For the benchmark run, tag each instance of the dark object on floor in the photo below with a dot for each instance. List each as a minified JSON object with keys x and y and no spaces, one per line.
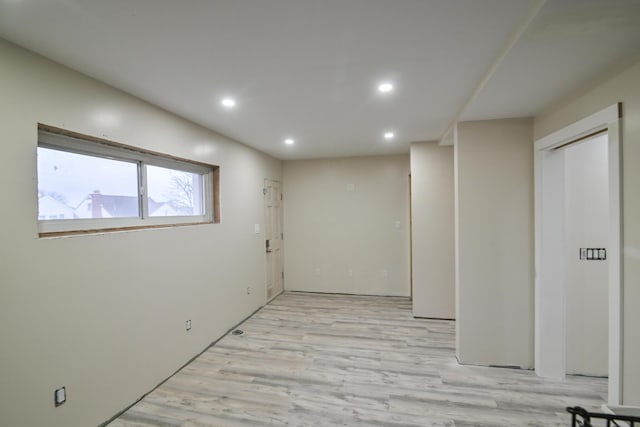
{"x":580,"y":417}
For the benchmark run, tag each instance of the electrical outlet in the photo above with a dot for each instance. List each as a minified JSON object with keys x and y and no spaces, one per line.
{"x":60,"y":396}
{"x":248,"y":290}
{"x":350,"y":272}
{"x":189,"y":325}
{"x":385,"y":273}
{"x":317,"y":271}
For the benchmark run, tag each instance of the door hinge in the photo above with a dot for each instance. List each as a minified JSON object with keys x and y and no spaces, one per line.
{"x":283,"y":275}
{"x":281,"y":236}
{"x":280,"y":196}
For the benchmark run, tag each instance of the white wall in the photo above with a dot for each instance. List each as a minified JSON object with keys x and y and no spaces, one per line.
{"x":624,"y":88}
{"x":587,"y":226}
{"x":346,"y":225}
{"x":104,"y":314}
{"x":432,"y":234}
{"x":494,"y":238}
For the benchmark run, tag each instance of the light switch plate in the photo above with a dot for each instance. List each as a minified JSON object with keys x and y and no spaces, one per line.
{"x":60,"y":396}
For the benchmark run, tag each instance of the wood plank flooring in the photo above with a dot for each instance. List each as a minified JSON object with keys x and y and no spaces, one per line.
{"x":342,"y":360}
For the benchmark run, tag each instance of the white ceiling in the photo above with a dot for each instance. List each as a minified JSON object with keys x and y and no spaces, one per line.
{"x":308,"y":69}
{"x":568,"y":45}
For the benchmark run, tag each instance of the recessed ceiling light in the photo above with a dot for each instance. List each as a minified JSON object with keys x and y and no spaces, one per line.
{"x":228,"y":102}
{"x":385,"y":87}
{"x":289,"y":141}
{"x":389,"y":135}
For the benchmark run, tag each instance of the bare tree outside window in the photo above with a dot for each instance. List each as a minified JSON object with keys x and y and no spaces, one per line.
{"x":180,"y":194}
{"x":174,"y":192}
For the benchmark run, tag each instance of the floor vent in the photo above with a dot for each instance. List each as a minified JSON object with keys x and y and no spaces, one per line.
{"x":237,"y":332}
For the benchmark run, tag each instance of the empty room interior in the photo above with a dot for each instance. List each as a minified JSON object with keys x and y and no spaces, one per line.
{"x":299,"y":212}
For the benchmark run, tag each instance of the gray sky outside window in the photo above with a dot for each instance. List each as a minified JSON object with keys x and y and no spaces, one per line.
{"x":71,"y":178}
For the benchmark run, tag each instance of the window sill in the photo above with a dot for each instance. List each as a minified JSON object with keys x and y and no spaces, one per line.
{"x":118,"y":229}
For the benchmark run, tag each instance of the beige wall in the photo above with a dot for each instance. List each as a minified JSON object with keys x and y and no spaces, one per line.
{"x":346,"y":225}
{"x":623,"y":88}
{"x":432,"y":234}
{"x":494,"y":238}
{"x":105,"y":314}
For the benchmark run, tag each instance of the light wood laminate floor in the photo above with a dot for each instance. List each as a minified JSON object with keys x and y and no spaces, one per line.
{"x":342,"y":360}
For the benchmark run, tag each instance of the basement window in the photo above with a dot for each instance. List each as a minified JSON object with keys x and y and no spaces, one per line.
{"x":88,"y":184}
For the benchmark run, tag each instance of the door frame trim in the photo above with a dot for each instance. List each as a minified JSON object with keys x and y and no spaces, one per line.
{"x":550,"y":362}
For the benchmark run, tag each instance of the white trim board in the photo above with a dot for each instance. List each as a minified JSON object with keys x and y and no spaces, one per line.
{"x":577,"y":130}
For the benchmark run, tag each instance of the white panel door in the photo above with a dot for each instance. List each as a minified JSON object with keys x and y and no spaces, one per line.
{"x":273,"y":237}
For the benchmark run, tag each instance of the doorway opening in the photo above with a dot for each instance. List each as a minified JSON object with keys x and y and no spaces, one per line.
{"x":578,"y":246}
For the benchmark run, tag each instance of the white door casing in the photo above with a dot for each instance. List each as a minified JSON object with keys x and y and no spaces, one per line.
{"x":550,"y":306}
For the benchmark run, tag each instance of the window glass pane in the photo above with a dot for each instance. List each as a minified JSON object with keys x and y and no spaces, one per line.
{"x":173,"y":192}
{"x":72,"y":186}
